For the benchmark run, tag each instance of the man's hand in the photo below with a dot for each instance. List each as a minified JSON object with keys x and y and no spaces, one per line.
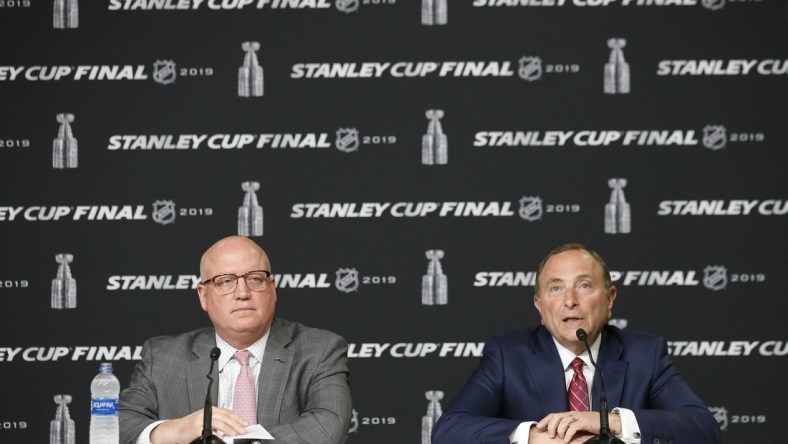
{"x":567,"y":425}
{"x":189,"y":428}
{"x":537,"y":436}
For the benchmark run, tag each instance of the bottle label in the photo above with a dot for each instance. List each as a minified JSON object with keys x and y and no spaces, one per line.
{"x":104,"y":406}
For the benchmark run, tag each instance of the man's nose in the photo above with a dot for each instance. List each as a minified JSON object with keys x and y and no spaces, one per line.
{"x":242,"y":290}
{"x":570,"y":297}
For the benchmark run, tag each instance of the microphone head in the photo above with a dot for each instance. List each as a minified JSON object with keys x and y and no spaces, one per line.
{"x":581,"y":334}
{"x":215,"y":353}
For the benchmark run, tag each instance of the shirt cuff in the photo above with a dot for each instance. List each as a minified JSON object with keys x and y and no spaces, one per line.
{"x":521,"y":433}
{"x":630,"y":431}
{"x":144,"y":437}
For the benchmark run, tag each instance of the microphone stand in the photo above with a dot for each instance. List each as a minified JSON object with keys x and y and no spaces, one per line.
{"x":207,"y":437}
{"x":604,"y":436}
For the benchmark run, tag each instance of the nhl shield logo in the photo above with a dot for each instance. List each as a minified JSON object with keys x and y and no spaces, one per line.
{"x":721,"y":415}
{"x":347,"y":140}
{"x":347,"y":6}
{"x":164,"y":72}
{"x":164,"y":212}
{"x":715,"y":277}
{"x":714,"y":137}
{"x":620,"y":323}
{"x":530,"y":68}
{"x":531,"y":208}
{"x":713,"y":4}
{"x":347,"y":280}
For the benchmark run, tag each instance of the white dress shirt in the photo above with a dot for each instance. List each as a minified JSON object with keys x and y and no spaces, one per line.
{"x":229,"y":368}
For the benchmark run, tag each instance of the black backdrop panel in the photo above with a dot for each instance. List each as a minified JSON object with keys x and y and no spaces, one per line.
{"x":653,"y":131}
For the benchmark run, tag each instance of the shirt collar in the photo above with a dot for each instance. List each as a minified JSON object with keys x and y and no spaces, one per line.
{"x":568,"y":356}
{"x":256,"y":349}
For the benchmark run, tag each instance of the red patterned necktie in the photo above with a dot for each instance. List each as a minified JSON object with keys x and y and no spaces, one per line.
{"x":244,"y":398}
{"x":578,"y":389}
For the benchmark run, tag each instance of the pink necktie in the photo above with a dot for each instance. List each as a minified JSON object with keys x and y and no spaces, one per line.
{"x":244,"y":398}
{"x":578,"y":388}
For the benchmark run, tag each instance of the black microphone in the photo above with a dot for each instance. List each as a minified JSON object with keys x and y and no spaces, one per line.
{"x":604,"y":437}
{"x":207,"y":437}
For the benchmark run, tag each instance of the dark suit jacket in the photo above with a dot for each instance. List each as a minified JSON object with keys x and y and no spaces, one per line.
{"x":303,"y":390}
{"x":520,"y":378}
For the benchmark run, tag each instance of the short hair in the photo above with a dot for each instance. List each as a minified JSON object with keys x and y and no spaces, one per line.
{"x":574,"y":246}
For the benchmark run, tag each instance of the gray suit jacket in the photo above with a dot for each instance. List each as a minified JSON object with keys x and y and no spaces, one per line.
{"x":303,"y":390}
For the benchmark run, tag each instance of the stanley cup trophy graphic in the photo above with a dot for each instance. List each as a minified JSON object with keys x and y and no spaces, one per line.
{"x":434,"y":284}
{"x":64,"y":287}
{"x":617,"y":212}
{"x":434,"y":12}
{"x":434,"y":144}
{"x":616,"y":69}
{"x":61,"y":429}
{"x":250,"y":76}
{"x":250,"y":214}
{"x":434,"y":411}
{"x":64,"y":147}
{"x":65,"y":14}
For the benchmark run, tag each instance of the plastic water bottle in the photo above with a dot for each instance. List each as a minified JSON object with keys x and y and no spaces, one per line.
{"x":104,"y":391}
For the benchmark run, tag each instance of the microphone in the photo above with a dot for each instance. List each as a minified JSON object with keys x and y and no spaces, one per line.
{"x":604,"y":437}
{"x":207,"y":437}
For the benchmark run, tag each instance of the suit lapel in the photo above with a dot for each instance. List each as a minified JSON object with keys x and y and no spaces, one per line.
{"x":614,"y":368}
{"x":547,"y":373}
{"x":197,"y":369}
{"x":274,"y":372}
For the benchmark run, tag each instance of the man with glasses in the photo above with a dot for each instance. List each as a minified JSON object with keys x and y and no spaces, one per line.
{"x":291,"y":379}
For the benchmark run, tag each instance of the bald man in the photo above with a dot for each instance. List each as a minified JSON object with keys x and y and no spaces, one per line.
{"x":299,"y":375}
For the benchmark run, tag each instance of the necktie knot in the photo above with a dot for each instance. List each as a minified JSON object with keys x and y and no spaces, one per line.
{"x":577,"y":365}
{"x":242,"y":356}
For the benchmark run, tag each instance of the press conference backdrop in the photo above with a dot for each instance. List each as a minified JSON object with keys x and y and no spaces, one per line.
{"x":406,"y":164}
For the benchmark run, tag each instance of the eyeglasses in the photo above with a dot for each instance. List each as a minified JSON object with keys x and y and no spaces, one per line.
{"x":226,"y":283}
